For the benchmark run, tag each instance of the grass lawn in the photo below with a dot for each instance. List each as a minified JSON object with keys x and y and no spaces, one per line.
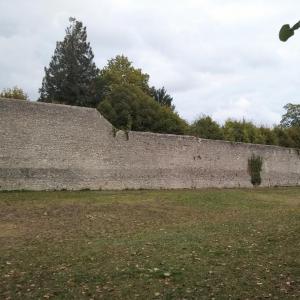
{"x":187,"y":244}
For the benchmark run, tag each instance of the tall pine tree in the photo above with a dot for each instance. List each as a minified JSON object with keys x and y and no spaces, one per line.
{"x":70,"y":78}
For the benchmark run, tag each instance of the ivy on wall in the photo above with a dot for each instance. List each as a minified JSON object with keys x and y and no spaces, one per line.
{"x":254,"y":168}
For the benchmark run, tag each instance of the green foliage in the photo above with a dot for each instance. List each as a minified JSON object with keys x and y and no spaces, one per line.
{"x":254,"y":168}
{"x":234,"y":131}
{"x":268,"y":136}
{"x":206,"y":128}
{"x":119,"y":71}
{"x":288,"y":137}
{"x":283,"y":138}
{"x":70,"y":77}
{"x":127,"y":107}
{"x":247,"y":132}
{"x":242,"y":131}
{"x":286,"y":31}
{"x":14,"y":93}
{"x":127,"y":101}
{"x":294,"y":135}
{"x":292,"y":116}
{"x":162,"y":97}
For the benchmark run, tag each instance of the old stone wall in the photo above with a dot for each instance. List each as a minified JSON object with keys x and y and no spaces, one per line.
{"x":48,"y":146}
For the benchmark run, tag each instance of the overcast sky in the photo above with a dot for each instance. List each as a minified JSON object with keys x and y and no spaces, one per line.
{"x":216,"y":57}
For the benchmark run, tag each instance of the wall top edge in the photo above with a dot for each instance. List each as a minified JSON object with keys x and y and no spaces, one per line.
{"x":29,"y":102}
{"x":160,"y":135}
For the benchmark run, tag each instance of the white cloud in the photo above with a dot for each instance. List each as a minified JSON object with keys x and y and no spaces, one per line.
{"x":243,"y":108}
{"x":238,"y":108}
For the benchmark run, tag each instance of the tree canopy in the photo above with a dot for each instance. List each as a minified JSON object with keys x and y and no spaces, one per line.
{"x":128,"y":107}
{"x":242,"y":131}
{"x":14,"y":93}
{"x":246,"y":132}
{"x":119,"y":70}
{"x":70,"y":77}
{"x":292,"y":116}
{"x":205,"y":127}
{"x":128,"y":102}
{"x":162,"y":97}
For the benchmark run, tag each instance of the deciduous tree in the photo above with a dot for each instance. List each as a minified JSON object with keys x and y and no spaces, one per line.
{"x":206,"y":128}
{"x":292,"y":116}
{"x":127,"y":102}
{"x":128,"y":107}
{"x":120,"y":71}
{"x":14,"y":93}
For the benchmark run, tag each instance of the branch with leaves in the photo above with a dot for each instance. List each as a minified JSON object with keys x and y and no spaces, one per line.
{"x":286,"y":31}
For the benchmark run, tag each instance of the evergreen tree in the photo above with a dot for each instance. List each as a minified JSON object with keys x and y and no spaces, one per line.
{"x":70,"y":77}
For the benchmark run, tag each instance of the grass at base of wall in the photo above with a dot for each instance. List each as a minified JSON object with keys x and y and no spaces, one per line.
{"x":199,"y":244}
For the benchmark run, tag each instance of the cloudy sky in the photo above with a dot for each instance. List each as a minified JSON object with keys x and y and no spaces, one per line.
{"x":216,"y":57}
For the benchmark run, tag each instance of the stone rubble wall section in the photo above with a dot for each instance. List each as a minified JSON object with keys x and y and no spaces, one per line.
{"x":54,"y":147}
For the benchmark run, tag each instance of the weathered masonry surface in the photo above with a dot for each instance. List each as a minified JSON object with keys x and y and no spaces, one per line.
{"x":49,"y":146}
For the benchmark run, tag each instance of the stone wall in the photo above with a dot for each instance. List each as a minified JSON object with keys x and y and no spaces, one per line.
{"x":49,"y":146}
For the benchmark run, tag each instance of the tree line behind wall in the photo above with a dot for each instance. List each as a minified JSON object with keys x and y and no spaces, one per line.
{"x":122,"y":93}
{"x":284,"y":134}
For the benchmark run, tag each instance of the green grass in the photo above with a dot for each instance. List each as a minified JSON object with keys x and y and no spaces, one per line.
{"x":206,"y":244}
